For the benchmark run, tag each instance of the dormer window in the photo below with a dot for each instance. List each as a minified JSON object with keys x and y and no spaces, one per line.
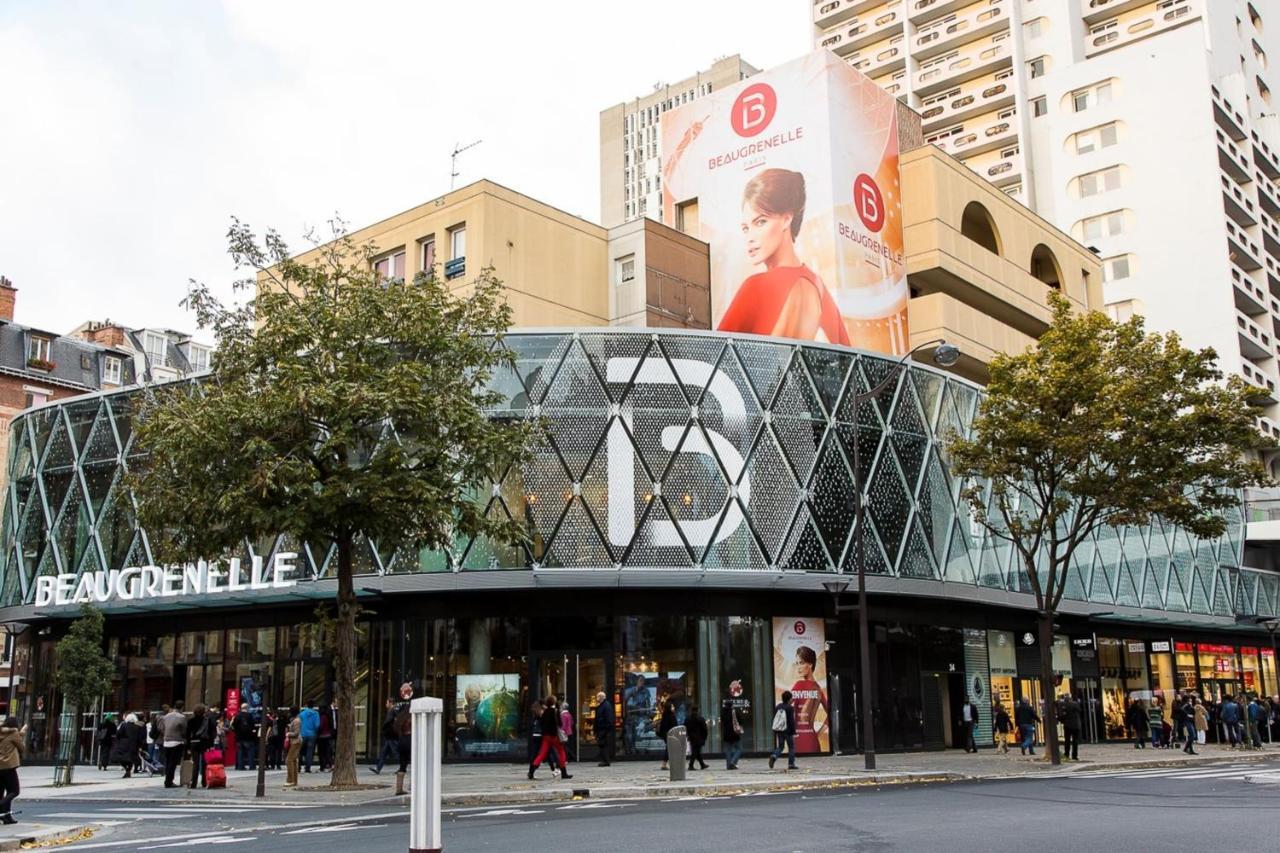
{"x":199,"y":358}
{"x":112,"y":370}
{"x":157,"y":347}
{"x":38,"y":353}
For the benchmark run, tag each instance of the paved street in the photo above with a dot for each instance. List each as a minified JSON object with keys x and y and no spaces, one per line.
{"x":1196,"y":807}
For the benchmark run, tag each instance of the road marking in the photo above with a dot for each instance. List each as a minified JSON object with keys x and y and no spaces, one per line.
{"x":208,"y":839}
{"x":502,"y":812}
{"x":604,"y":805}
{"x":196,"y":836}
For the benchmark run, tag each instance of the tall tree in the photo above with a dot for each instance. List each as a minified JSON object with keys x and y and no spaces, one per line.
{"x":84,"y":671}
{"x":341,"y":407}
{"x":1101,"y":423}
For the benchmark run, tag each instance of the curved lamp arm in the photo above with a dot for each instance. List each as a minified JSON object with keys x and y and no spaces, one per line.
{"x":944,"y":356}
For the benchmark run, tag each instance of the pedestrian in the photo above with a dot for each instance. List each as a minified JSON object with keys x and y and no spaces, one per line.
{"x":293,"y":752}
{"x":1136,"y":720}
{"x":127,"y":743}
{"x":275,"y":740}
{"x":157,"y":735}
{"x":1026,"y":718}
{"x":404,"y":734}
{"x":731,"y":734}
{"x":310,"y":728}
{"x":246,"y":730}
{"x":1004,"y":726}
{"x":567,"y":726}
{"x":695,"y":726}
{"x":1155,"y":724}
{"x":1254,"y":713}
{"x":1187,"y":712}
{"x":1201,"y":721}
{"x":552,"y":739}
{"x":199,"y":741}
{"x":106,"y":734}
{"x":535,"y":728}
{"x":390,"y":747}
{"x":13,"y":745}
{"x":325,"y":734}
{"x":665,"y":724}
{"x":968,"y":719}
{"x":784,"y":731}
{"x":1072,"y":722}
{"x":603,"y":728}
{"x":1230,"y":717}
{"x":173,"y":733}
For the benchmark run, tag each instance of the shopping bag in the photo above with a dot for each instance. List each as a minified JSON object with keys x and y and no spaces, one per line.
{"x":215,"y":776}
{"x":1200,"y":736}
{"x":188,"y":771}
{"x":213,"y":756}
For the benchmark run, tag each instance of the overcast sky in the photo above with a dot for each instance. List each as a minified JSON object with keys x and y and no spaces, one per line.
{"x":130,"y":132}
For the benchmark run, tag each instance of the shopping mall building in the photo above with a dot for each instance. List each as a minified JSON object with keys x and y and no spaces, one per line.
{"x":685,"y":517}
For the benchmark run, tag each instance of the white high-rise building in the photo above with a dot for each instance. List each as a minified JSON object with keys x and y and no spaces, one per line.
{"x":1145,"y":128}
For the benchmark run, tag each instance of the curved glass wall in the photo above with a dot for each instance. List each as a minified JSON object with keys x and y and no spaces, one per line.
{"x":671,"y":450}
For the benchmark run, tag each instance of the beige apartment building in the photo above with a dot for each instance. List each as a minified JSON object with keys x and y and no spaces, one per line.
{"x":631,"y":146}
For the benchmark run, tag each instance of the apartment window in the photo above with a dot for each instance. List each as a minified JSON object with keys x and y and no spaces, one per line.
{"x":38,"y":350}
{"x":626,"y":269}
{"x":112,"y":370}
{"x":1107,"y":225}
{"x":1084,"y":99}
{"x":1098,"y":182}
{"x":1096,"y":138}
{"x":457,"y":242}
{"x":427,"y":253}
{"x":32,"y":396}
{"x":390,"y":268}
{"x":1036,"y":66}
{"x":1264,"y":91}
{"x":1104,"y":33}
{"x":199,"y":358}
{"x":1039,"y":107}
{"x":1036,"y":28}
{"x":1117,"y":268}
{"x":157,"y":349}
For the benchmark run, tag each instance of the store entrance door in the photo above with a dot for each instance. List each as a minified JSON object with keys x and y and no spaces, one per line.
{"x":576,"y":677}
{"x":1090,"y":695}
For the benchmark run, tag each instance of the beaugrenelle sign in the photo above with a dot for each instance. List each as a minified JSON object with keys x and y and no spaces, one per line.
{"x":142,"y":582}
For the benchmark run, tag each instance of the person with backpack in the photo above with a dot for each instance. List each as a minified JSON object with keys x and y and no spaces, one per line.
{"x":404,"y":734}
{"x":199,"y":741}
{"x":784,"y":731}
{"x":246,"y":731}
{"x":696,"y":727}
{"x":731,"y":733}
{"x":1003,"y":726}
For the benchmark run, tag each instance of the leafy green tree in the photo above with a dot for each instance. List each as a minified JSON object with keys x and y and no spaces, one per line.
{"x":1101,"y":424}
{"x":340,"y":406}
{"x":84,"y":671}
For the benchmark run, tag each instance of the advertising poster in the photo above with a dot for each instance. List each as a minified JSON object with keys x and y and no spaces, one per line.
{"x":792,"y":178}
{"x":486,"y":713}
{"x":800,"y":665}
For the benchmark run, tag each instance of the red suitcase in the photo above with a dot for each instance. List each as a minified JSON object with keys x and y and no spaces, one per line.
{"x":215,"y":776}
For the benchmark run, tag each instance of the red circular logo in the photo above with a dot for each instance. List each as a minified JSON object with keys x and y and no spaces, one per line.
{"x":868,"y":202}
{"x":754,"y":109}
{"x":799,"y":628}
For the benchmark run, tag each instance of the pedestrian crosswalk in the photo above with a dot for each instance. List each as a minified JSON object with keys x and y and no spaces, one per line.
{"x":1211,"y":771}
{"x":117,"y":815}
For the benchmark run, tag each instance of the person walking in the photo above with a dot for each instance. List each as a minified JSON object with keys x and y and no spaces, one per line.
{"x":106,"y":734}
{"x":1253,"y":712}
{"x":731,"y":734}
{"x":1155,"y":724}
{"x":293,"y":734}
{"x":665,"y":725}
{"x":1003,"y":726}
{"x":567,"y":726}
{"x":246,"y":739}
{"x":404,"y":734}
{"x":310,"y":728}
{"x":1026,"y":718}
{"x":1072,"y":723}
{"x":696,"y":728}
{"x":968,"y":719}
{"x":325,"y":735}
{"x":173,"y":733}
{"x":1187,"y":711}
{"x":1230,"y":717}
{"x":128,"y":741}
{"x":390,"y":746}
{"x":1136,"y":719}
{"x":551,"y":740}
{"x":1201,"y":721}
{"x":199,"y":741}
{"x":784,"y":731}
{"x":13,"y":745}
{"x":602,"y":726}
{"x":535,"y":728}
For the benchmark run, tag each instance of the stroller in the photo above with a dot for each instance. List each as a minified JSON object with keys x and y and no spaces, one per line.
{"x":151,"y":768}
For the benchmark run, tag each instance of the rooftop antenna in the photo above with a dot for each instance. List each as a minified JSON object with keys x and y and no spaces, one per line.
{"x":453,"y":160}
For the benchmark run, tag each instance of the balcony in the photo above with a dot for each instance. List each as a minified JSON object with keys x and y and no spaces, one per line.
{"x":861,"y":31}
{"x":882,"y":58}
{"x":1227,"y":117}
{"x":1265,"y":157}
{"x":828,"y":13}
{"x":1268,"y":196}
{"x":1270,"y":237}
{"x":1096,"y":11}
{"x":1166,"y":15}
{"x":1250,"y":298}
{"x":1259,"y":380}
{"x":959,"y":66}
{"x":892,"y":83}
{"x":1268,"y":427}
{"x":1255,"y":344}
{"x":1231,"y":159}
{"x":1244,"y":251}
{"x":923,"y":11}
{"x":994,"y":132}
{"x":975,"y":98}
{"x":1273,"y":281}
{"x":1003,"y":172}
{"x":974,"y":21}
{"x":1238,"y":207}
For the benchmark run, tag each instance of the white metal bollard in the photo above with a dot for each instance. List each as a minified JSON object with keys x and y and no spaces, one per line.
{"x":424,"y":776}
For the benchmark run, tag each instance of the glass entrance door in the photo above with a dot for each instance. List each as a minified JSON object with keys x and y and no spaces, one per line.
{"x":575,"y":678}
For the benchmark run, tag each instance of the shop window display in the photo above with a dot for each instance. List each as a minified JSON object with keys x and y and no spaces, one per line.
{"x":1185,"y":658}
{"x":488,"y":699}
{"x":655,"y":665}
{"x":733,"y":651}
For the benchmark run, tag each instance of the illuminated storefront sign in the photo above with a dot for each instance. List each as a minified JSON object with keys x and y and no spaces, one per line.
{"x":144,"y":582}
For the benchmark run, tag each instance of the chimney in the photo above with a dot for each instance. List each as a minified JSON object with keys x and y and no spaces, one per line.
{"x":106,"y":334}
{"x":8,"y":295}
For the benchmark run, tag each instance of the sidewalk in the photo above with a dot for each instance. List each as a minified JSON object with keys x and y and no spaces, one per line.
{"x":38,"y":834}
{"x":472,"y":784}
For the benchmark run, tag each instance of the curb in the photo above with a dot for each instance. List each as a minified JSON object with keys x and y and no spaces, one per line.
{"x":49,"y":837}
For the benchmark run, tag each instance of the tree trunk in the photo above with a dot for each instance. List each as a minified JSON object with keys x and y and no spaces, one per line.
{"x":344,"y":759}
{"x":1044,"y":624}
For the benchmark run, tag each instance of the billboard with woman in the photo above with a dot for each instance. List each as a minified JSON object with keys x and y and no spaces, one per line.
{"x":800,"y":665}
{"x":794,"y":175}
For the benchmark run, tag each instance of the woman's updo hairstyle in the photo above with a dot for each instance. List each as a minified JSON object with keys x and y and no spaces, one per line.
{"x":777,"y":192}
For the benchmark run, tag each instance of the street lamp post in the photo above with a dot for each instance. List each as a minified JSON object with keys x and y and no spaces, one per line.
{"x":944,"y":355}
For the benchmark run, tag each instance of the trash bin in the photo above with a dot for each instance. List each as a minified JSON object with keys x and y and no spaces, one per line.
{"x":676,"y":740}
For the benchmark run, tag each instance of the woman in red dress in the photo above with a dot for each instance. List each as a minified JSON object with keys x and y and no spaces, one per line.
{"x":788,"y":299}
{"x":808,"y":698}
